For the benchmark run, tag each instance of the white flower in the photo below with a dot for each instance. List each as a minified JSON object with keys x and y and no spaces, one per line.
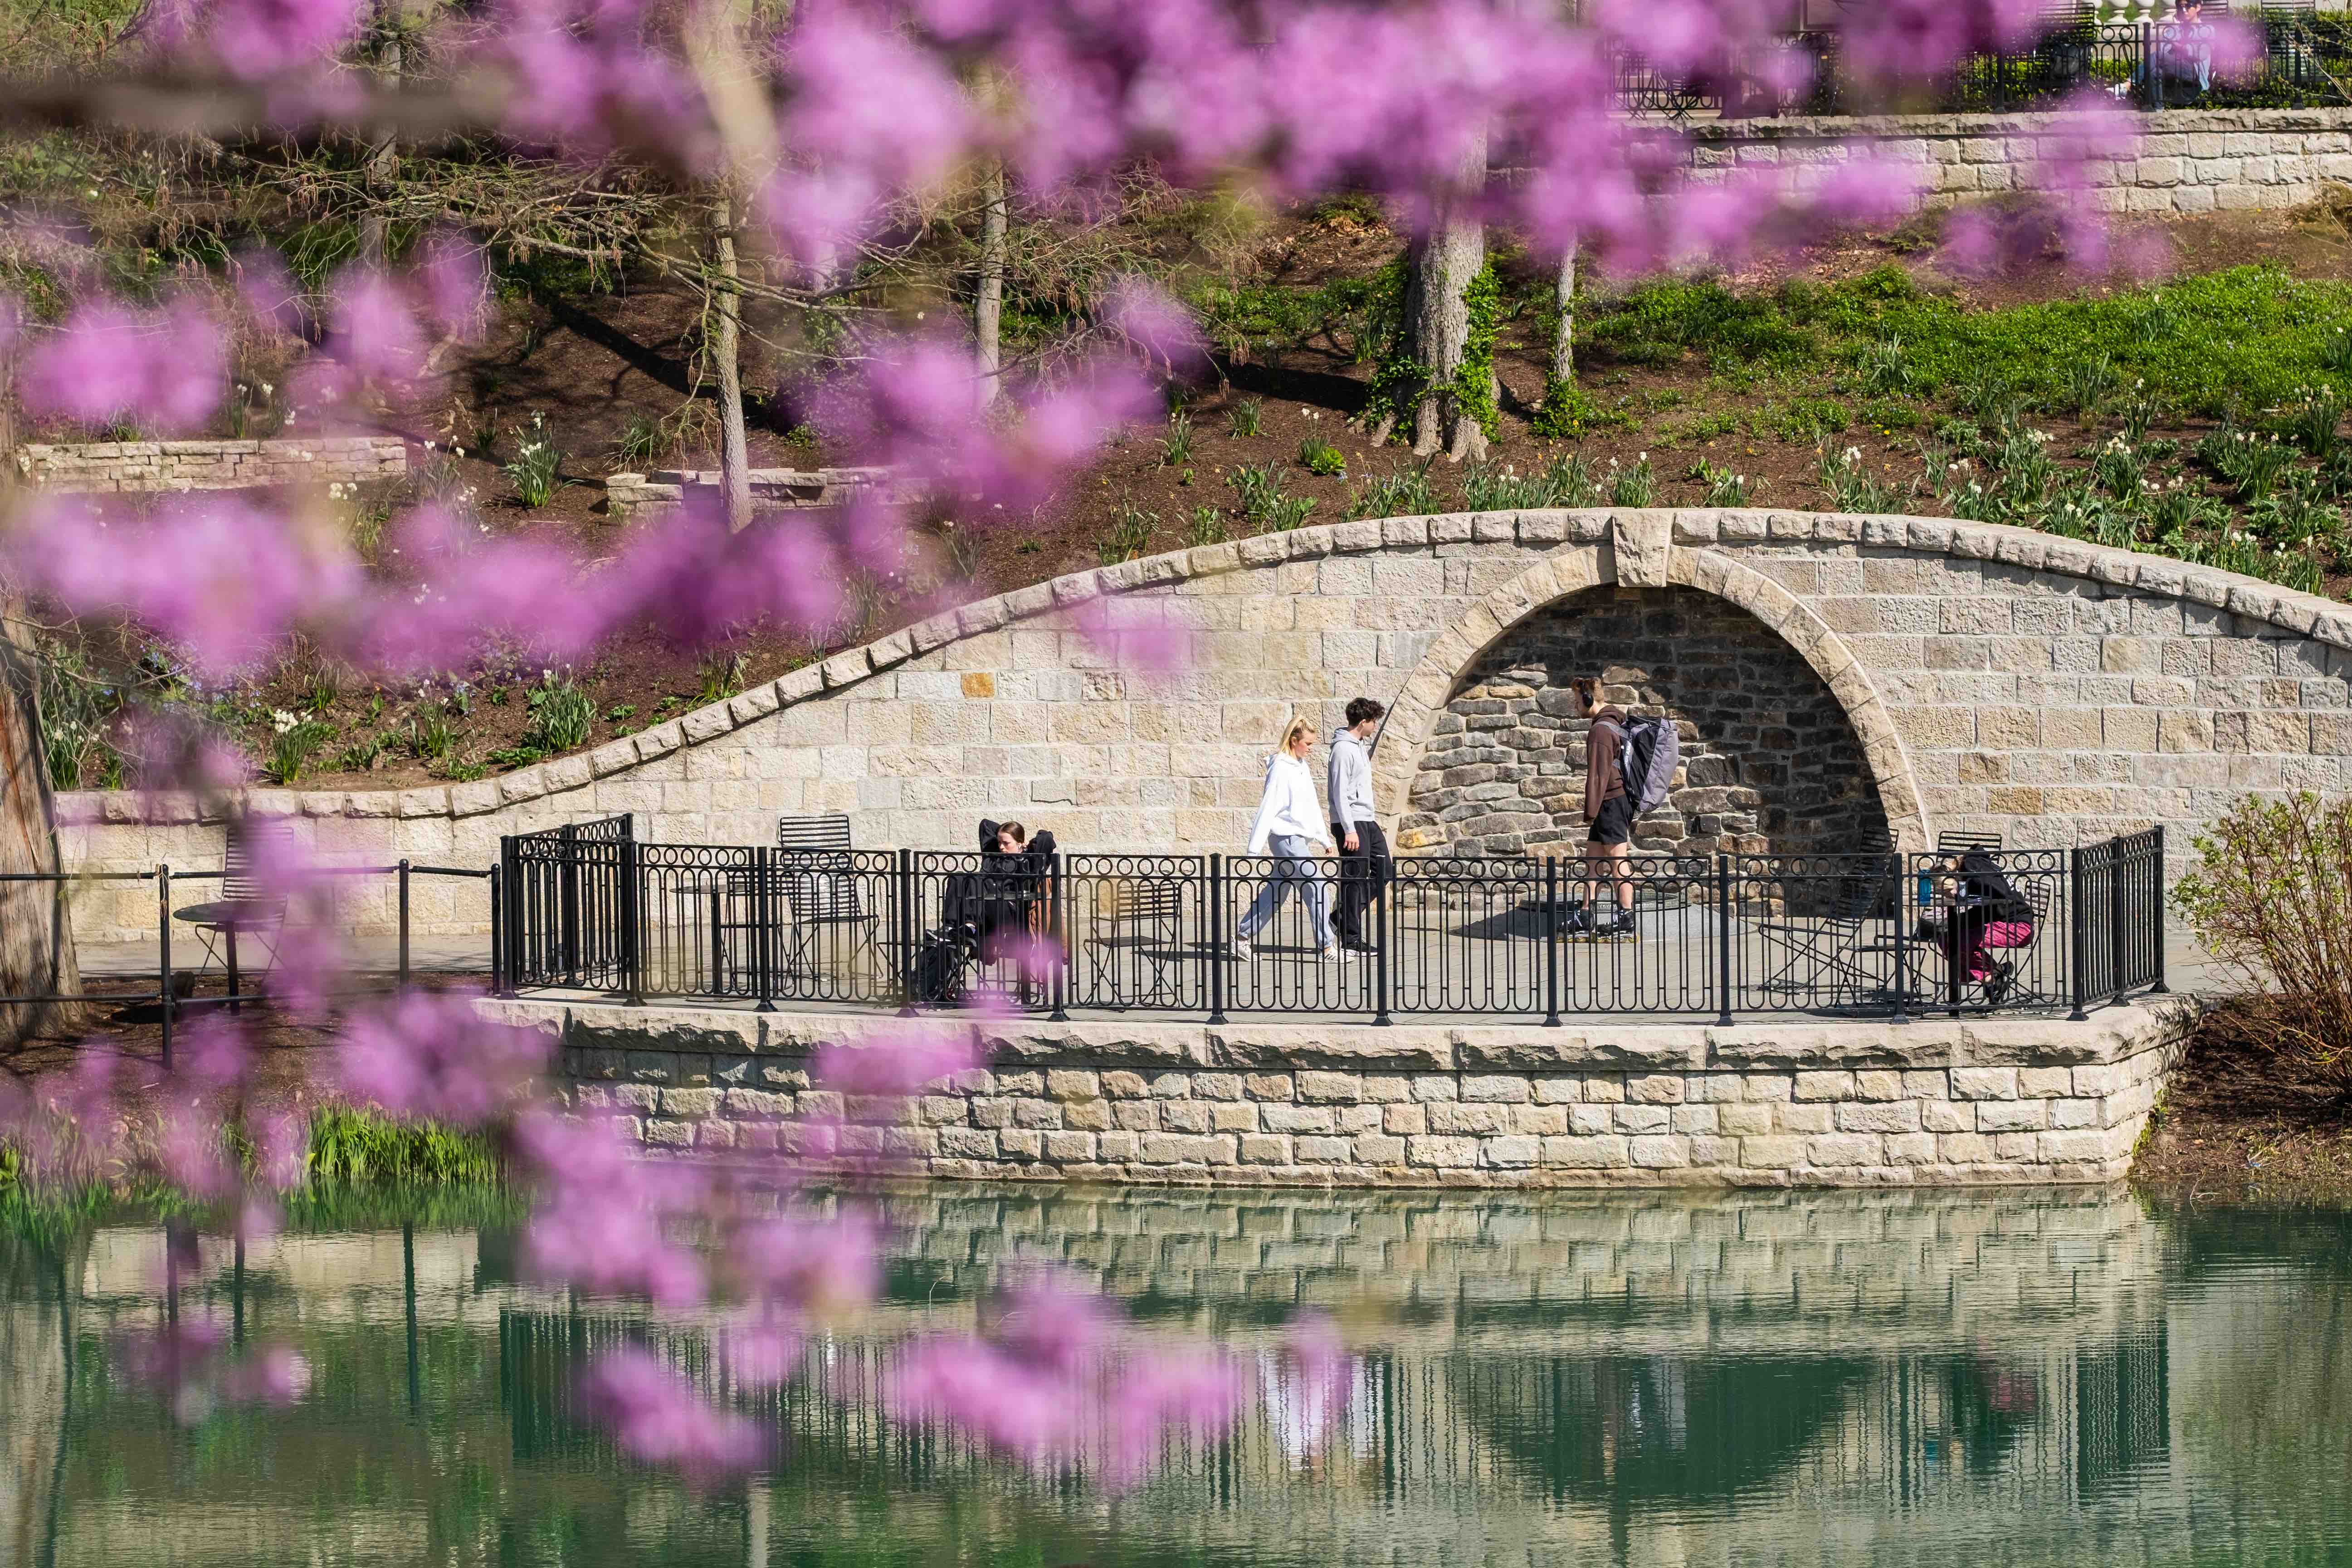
{"x":281,"y":720}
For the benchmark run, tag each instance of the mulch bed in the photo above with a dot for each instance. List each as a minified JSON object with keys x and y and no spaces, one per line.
{"x":2239,"y":1126}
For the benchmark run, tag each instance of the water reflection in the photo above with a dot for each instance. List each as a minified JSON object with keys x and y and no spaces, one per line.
{"x":1888,"y":1378}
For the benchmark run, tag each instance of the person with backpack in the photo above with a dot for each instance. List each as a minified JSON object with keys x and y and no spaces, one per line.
{"x":1628,"y":766}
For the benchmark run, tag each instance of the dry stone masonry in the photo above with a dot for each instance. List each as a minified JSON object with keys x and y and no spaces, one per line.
{"x":1267,"y":1103}
{"x":136,"y":466}
{"x":1994,"y":679}
{"x":2184,"y":161}
{"x":627,"y":495}
{"x":1769,"y":763}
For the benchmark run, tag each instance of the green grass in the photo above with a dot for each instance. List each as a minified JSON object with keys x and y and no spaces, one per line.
{"x":2247,"y":338}
{"x":359,"y":1147}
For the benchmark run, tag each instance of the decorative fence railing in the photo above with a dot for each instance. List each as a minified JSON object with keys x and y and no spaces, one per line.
{"x":2276,"y":57}
{"x":1707,"y":936}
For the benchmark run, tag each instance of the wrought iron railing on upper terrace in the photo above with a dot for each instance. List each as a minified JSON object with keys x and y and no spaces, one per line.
{"x":1718,"y":936}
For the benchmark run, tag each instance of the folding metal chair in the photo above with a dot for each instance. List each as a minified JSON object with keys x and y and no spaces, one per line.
{"x":1836,"y":950}
{"x":244,"y":905}
{"x":1148,"y":920}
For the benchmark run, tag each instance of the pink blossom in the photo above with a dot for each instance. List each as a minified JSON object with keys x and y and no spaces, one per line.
{"x":258,"y":38}
{"x":601,"y":1221}
{"x":271,"y":1374}
{"x":166,"y":368}
{"x":454,"y":284}
{"x":372,"y":331}
{"x":1007,"y":1402}
{"x":192,"y":1149}
{"x":221,"y":575}
{"x":432,"y":1056}
{"x":901,"y":1061}
{"x":1160,"y":1393}
{"x":760,"y":1353}
{"x":658,"y":1419}
{"x":819,"y":1267}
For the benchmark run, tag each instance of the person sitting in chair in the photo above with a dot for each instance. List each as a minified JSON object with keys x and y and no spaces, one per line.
{"x":1010,"y":898}
{"x":1986,"y":913}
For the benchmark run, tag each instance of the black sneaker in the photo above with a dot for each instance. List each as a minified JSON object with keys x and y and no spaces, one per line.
{"x":1997,"y":984}
{"x":1621,"y":925}
{"x":1578,"y":921}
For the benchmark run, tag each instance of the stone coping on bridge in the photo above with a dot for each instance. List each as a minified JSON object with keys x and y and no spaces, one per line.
{"x":1799,"y":1101}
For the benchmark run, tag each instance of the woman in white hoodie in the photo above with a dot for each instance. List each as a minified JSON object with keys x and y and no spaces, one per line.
{"x":1289,"y":824}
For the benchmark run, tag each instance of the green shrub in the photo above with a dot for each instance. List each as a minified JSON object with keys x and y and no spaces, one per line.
{"x":1207,"y":527}
{"x":1568,"y":412}
{"x":1319,"y":457}
{"x":561,"y":714}
{"x":363,"y":1146}
{"x":1400,"y":492}
{"x":533,"y":470}
{"x":1128,"y":535}
{"x":1177,"y":449}
{"x":1635,"y":486}
{"x":1244,"y":418}
{"x":2271,"y":898}
{"x":293,"y":741}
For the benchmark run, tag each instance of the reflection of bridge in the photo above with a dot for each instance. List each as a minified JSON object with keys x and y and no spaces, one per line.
{"x":1828,"y":1378}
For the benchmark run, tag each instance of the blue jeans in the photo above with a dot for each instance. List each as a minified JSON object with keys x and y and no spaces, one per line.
{"x":1293,"y":867}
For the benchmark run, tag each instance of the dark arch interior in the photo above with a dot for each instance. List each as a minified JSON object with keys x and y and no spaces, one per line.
{"x":1771,"y":762}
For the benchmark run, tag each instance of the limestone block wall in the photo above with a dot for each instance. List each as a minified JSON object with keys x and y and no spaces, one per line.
{"x":773,"y":489}
{"x":168,"y":466}
{"x":1770,"y":1104}
{"x":2184,"y":161}
{"x":1769,"y":763}
{"x":1995,"y":679}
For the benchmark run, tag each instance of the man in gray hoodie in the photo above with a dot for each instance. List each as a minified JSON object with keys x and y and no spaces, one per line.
{"x":1364,"y":868}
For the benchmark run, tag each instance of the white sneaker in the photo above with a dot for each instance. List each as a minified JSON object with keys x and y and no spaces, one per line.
{"x":1241,"y":947}
{"x":1338,"y":954}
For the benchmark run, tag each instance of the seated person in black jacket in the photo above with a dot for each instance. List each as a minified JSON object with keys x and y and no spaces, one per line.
{"x":1986,"y":913}
{"x":1011,"y":889}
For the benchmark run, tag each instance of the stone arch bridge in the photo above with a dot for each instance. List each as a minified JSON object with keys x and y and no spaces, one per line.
{"x":1833,"y":674}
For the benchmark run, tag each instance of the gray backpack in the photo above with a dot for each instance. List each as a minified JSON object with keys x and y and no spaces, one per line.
{"x":1646,"y":757}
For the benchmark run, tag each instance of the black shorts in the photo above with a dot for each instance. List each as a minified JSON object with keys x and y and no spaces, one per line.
{"x":1615,"y":823}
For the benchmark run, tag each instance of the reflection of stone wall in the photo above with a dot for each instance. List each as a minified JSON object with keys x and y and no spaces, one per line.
{"x":1770,"y":764}
{"x":1260,"y":1103}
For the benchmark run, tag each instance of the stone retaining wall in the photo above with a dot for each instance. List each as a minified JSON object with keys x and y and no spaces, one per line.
{"x":1596,"y":1103}
{"x":2184,"y":161}
{"x":167,"y":466}
{"x":773,"y":489}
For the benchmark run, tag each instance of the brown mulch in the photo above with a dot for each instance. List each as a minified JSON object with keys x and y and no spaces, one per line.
{"x":2241,"y":1125}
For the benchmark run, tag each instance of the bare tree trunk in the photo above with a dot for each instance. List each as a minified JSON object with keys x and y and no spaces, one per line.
{"x":36,"y":950}
{"x":385,"y":159}
{"x":1563,"y":338}
{"x":727,"y":348}
{"x":988,"y":310}
{"x":1445,"y":262}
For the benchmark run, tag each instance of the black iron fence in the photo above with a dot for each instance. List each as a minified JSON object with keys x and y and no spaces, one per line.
{"x":2274,"y":58}
{"x":213,"y":926}
{"x":1215,"y":935}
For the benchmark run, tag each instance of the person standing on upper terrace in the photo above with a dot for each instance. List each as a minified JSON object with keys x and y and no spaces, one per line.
{"x":1608,"y":813}
{"x":1364,"y":868}
{"x":1289,"y":827}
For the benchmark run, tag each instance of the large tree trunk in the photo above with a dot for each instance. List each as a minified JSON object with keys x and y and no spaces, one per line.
{"x":727,"y":348}
{"x":37,"y":951}
{"x":1444,"y":261}
{"x":988,"y":308}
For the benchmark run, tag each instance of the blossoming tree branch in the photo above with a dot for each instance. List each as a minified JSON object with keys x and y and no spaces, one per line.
{"x":782,"y":155}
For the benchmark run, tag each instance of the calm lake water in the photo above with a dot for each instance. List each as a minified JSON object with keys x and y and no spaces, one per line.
{"x":1897,"y":1379}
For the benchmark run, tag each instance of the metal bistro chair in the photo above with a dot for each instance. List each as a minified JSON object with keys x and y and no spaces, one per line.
{"x":817,"y":876}
{"x":1837,"y":947}
{"x":1148,"y":920}
{"x":244,"y":905}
